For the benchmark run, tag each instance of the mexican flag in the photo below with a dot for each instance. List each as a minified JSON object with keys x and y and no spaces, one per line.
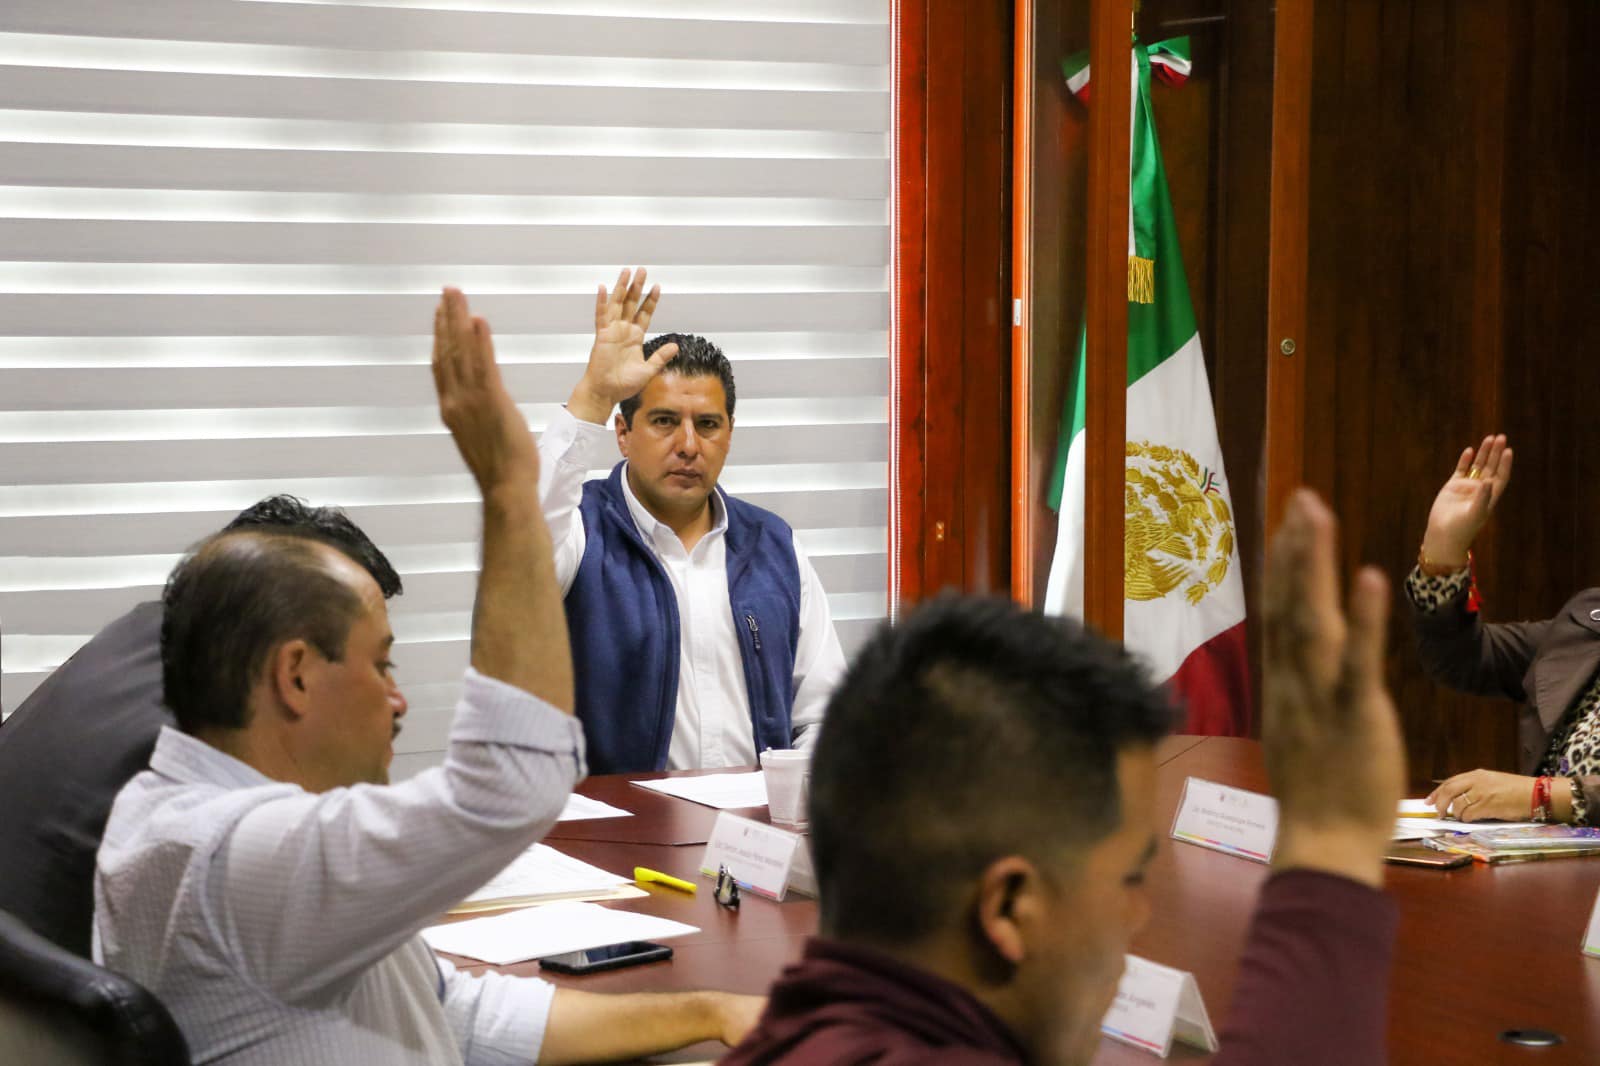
{"x":1184,"y":606}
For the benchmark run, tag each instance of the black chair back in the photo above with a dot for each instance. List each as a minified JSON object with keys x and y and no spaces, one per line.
{"x":57,"y":1009}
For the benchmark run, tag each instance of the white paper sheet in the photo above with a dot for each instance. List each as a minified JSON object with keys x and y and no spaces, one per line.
{"x":722,"y":791}
{"x":581,"y":808}
{"x":544,"y":871}
{"x":551,"y":930}
{"x":1418,"y":828}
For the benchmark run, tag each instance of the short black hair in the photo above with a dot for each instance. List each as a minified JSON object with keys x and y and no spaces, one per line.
{"x":971,"y":730}
{"x":696,"y":358}
{"x":262,"y":580}
{"x":292,"y":516}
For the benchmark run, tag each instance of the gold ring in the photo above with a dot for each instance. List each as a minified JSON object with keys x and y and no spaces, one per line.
{"x":1473,"y":472}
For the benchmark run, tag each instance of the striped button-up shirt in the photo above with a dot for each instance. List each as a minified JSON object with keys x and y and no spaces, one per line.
{"x":280,"y":926}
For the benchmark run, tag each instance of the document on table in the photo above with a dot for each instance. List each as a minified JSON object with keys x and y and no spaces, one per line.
{"x":581,"y":808}
{"x":722,"y":791}
{"x":1418,"y":819}
{"x":541,"y":874}
{"x":553,"y":930}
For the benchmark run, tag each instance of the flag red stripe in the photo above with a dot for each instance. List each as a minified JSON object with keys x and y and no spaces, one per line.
{"x":1213,"y":687}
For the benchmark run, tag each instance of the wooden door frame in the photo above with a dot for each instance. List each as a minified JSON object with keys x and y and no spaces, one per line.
{"x":950,"y":274}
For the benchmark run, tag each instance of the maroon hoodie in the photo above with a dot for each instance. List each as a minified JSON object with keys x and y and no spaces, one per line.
{"x":842,"y":1004}
{"x":1312,"y":990}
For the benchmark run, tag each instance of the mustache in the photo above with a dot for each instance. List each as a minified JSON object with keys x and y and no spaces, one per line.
{"x":397,"y":728}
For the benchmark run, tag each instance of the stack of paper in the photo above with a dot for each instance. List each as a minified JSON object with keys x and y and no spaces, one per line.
{"x":1540,"y":838}
{"x":553,"y":930}
{"x":1418,"y":820}
{"x":582,"y":808}
{"x":541,"y":874}
{"x":722,"y":791}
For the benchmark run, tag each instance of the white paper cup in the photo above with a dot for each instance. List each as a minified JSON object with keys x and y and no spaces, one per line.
{"x":788,"y":777}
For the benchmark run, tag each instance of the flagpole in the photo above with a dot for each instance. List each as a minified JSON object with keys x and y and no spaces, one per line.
{"x":1106,"y":313}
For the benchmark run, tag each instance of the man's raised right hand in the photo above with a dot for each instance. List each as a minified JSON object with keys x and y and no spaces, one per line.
{"x":617,"y":367}
{"x":489,"y":431}
{"x":1330,"y":734}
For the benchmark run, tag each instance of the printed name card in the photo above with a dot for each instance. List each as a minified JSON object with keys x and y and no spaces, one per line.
{"x":763,"y":858}
{"x":1227,"y":819}
{"x":1591,"y":939}
{"x":1156,"y":1005}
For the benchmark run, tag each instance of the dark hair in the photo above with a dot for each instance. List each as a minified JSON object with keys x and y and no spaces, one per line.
{"x":697,"y":357}
{"x":262,"y":580}
{"x":292,"y":516}
{"x":970,"y":731}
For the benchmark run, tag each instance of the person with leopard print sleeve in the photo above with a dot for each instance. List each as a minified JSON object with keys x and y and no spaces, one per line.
{"x":1550,"y":666}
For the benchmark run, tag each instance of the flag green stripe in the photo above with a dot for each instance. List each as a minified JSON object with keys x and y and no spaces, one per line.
{"x":1155,"y":330}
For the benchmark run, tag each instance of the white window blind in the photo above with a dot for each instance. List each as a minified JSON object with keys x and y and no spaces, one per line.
{"x":224,"y":223}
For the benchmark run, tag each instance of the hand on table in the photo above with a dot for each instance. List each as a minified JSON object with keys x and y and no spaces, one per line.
{"x":1465,"y":500}
{"x":617,"y":367}
{"x":1330,"y":735}
{"x":1480,"y":794}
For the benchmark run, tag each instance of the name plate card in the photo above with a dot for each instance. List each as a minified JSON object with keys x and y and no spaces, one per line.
{"x":1591,"y":939}
{"x":763,"y":858}
{"x":1156,"y":1005}
{"x":1227,"y":819}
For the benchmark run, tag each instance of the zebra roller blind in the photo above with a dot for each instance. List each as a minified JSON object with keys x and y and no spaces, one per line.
{"x":224,"y":223}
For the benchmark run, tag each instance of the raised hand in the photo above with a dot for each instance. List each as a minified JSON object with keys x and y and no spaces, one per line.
{"x":489,"y":431}
{"x":1464,"y":502}
{"x":617,"y":367}
{"x":1330,"y":735}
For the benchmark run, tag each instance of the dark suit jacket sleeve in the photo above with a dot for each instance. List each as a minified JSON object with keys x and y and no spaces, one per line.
{"x":1458,"y":649}
{"x":1314,"y":978}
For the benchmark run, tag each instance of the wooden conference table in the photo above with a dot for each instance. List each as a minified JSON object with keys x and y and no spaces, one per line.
{"x":1481,"y":949}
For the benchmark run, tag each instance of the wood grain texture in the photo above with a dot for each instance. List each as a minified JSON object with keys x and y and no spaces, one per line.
{"x":1054,"y":292}
{"x":1288,"y":346}
{"x":1025,"y":137}
{"x":1447,"y":301}
{"x":952,"y":366}
{"x":908,"y":359}
{"x":1106,"y":315}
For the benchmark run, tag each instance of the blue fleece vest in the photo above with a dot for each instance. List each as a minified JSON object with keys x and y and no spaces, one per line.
{"x":622,"y":616}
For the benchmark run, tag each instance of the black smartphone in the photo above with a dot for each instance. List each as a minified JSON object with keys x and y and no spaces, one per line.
{"x":1418,"y":854}
{"x":610,"y":957}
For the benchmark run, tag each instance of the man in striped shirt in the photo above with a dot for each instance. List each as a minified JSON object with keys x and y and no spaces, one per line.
{"x":263,"y":878}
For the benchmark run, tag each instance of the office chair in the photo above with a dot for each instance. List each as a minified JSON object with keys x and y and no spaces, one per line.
{"x":57,"y":1009}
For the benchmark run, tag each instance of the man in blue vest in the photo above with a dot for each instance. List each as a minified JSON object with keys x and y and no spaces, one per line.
{"x":700,"y":633}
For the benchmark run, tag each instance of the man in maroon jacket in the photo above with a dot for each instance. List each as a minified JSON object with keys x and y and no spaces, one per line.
{"x":982,"y":811}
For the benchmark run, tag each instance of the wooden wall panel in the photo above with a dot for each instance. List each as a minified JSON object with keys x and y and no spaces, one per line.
{"x":1453,"y":148}
{"x":952,"y":294}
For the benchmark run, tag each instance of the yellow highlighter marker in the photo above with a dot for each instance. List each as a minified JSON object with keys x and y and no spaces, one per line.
{"x":643,"y":875}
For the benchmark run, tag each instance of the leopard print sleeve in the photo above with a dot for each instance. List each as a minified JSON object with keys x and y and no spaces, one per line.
{"x":1429,"y":593}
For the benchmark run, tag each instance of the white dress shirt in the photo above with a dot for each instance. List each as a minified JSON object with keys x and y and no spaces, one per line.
{"x":712,"y":726}
{"x":280,"y":926}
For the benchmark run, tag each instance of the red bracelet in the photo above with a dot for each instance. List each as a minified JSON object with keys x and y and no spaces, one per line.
{"x":1542,"y":811}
